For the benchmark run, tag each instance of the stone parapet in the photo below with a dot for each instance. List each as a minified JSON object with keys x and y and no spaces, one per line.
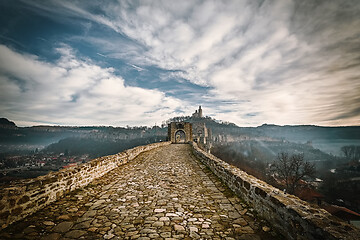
{"x":28,"y":196}
{"x":292,"y":217}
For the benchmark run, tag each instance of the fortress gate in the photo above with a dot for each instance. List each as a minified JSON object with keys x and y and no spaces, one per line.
{"x":180,"y":132}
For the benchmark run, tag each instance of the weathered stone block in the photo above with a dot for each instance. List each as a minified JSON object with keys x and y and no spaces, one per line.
{"x":11,"y":202}
{"x":42,"y":200}
{"x":23,"y":199}
{"x":31,"y":205}
{"x":17,"y":211}
{"x":33,"y":185}
{"x":50,"y":180}
{"x":13,"y":191}
{"x":247,"y":185}
{"x":37,"y":193}
{"x":260,"y":192}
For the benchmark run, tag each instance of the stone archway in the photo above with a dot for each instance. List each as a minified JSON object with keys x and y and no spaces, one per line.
{"x":180,"y":132}
{"x":180,"y":136}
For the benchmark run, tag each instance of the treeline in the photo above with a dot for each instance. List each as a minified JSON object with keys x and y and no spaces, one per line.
{"x":341,"y":187}
{"x":244,"y":156}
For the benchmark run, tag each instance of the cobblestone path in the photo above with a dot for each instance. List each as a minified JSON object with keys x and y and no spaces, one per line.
{"x":165,"y":193}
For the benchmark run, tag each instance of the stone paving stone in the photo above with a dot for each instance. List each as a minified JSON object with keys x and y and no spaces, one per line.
{"x":165,"y":193}
{"x":62,"y":227}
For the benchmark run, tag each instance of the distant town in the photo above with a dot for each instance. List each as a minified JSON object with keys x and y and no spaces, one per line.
{"x":39,"y":163}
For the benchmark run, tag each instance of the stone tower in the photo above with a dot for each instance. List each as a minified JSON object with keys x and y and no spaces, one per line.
{"x":200,"y":112}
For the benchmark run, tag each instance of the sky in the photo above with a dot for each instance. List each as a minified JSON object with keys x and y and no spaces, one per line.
{"x":137,"y":63}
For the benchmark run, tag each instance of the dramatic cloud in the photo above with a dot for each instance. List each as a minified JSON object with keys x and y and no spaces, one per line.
{"x":249,"y":62}
{"x":74,"y":92}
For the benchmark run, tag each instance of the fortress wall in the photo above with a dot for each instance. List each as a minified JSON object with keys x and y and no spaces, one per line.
{"x":28,"y":196}
{"x":291,"y":216}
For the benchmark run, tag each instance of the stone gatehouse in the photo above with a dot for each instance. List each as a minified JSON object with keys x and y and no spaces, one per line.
{"x":180,"y":132}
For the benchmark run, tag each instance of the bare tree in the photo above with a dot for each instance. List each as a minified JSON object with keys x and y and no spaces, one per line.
{"x":291,"y":169}
{"x":351,"y":152}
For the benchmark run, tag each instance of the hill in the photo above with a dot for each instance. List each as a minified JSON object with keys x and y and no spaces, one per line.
{"x":328,"y":139}
{"x":5,"y":123}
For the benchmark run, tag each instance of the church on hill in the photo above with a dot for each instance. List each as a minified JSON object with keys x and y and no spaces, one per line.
{"x":198,"y":113}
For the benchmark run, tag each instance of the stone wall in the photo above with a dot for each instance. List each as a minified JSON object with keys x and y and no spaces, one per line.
{"x":28,"y":196}
{"x":288,"y":214}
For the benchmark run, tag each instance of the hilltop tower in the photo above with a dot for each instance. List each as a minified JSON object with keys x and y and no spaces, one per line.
{"x":198,"y":113}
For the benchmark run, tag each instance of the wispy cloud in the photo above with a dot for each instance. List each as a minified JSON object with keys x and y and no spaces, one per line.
{"x":137,"y":68}
{"x":291,"y":62}
{"x":102,"y":55}
{"x":13,"y":41}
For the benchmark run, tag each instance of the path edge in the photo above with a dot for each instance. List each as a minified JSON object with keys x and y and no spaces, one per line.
{"x":25,"y":197}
